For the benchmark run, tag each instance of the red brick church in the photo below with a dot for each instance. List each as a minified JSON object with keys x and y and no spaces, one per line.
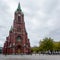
{"x":17,"y":42}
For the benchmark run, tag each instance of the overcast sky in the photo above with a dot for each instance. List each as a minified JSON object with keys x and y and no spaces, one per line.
{"x":42,"y":19}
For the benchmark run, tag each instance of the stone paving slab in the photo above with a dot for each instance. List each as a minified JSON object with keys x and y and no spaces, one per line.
{"x":30,"y":57}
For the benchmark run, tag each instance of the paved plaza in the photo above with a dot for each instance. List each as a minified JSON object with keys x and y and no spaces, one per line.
{"x":30,"y":57}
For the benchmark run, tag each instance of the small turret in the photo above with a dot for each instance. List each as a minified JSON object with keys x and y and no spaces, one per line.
{"x":11,"y":29}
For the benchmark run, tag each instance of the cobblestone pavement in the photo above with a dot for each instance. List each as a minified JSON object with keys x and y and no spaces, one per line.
{"x":30,"y":57}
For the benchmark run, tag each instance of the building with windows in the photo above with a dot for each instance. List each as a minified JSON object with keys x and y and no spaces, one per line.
{"x":17,"y":42}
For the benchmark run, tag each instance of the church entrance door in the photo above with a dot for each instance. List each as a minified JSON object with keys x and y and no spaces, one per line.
{"x":19,"y":51}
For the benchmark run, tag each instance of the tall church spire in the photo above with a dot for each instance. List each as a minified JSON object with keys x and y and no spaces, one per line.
{"x":19,"y":7}
{"x":17,"y":42}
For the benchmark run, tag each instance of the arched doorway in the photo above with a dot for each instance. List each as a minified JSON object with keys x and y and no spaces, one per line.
{"x":18,"y":49}
{"x":18,"y":45}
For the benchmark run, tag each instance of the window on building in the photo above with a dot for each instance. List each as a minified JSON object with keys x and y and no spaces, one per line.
{"x":18,"y":38}
{"x":19,"y":19}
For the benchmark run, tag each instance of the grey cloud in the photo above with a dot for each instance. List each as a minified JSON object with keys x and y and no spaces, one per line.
{"x":48,"y":21}
{"x":4,"y":21}
{"x":42,"y":19}
{"x":55,"y":34}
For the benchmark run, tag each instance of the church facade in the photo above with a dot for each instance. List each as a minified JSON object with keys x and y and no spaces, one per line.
{"x":17,"y":42}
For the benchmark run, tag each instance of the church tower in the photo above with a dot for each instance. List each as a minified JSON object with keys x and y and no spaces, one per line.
{"x":17,"y":42}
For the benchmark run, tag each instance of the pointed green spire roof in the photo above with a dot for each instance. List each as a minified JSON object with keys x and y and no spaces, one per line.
{"x":11,"y":28}
{"x":19,"y":7}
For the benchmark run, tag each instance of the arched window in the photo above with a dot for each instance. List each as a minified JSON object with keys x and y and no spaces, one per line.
{"x":18,"y":38}
{"x":19,"y":19}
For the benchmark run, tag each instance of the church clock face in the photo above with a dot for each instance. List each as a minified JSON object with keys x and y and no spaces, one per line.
{"x":19,"y":15}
